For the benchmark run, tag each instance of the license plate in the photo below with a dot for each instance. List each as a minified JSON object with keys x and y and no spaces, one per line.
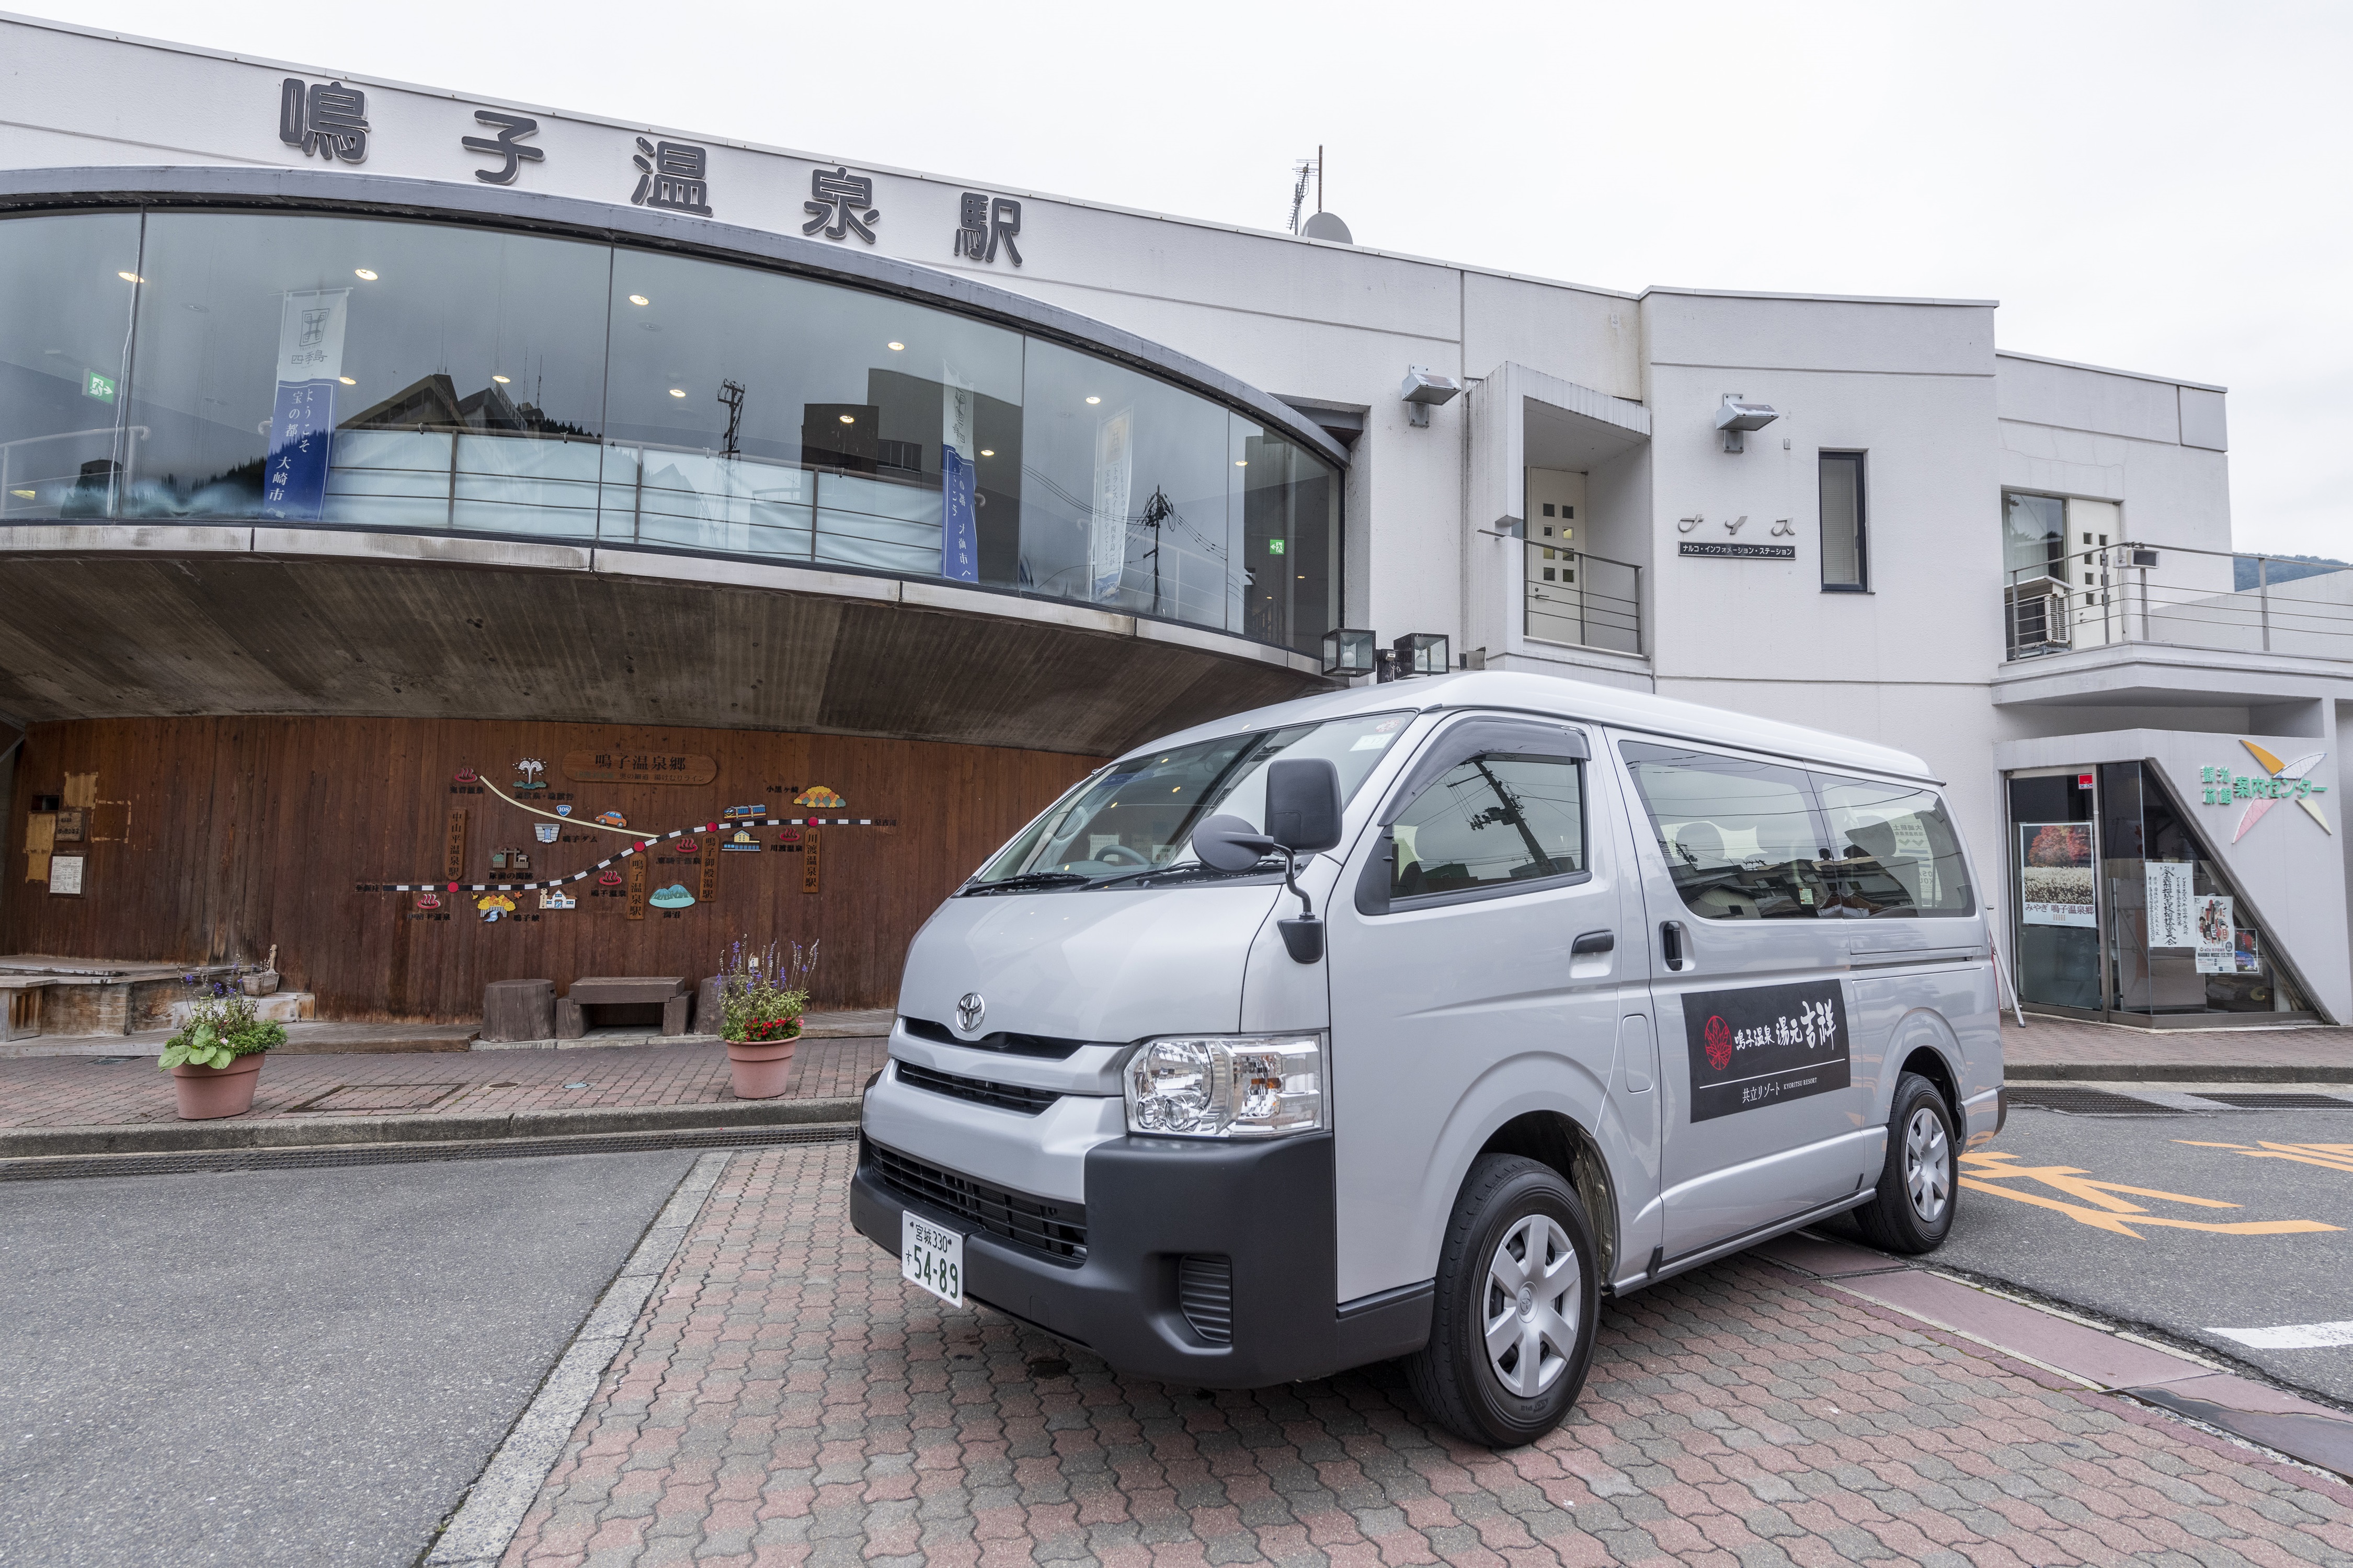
{"x":932,"y":1256}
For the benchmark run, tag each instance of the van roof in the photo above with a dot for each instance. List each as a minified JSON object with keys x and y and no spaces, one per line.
{"x":1560,"y":698}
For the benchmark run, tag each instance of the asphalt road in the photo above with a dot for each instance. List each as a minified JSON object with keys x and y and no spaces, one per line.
{"x":300,"y":1367}
{"x":2100,"y":1249}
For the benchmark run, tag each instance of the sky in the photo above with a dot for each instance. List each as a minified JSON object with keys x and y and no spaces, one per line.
{"x":2152,"y":187}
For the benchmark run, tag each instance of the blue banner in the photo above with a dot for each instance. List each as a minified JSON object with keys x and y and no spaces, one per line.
{"x":301,"y":432}
{"x":959,"y":530}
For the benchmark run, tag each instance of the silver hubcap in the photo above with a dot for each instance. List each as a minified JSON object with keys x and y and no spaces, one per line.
{"x":1531,"y":1302}
{"x":1927,"y":1165}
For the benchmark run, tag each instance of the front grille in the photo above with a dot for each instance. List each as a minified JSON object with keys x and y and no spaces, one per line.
{"x":1204,"y":1292}
{"x":979,"y":1090}
{"x":1044,"y":1225}
{"x":1046,"y":1046}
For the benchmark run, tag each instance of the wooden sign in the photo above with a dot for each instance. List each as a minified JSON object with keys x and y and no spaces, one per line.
{"x":453,"y":849}
{"x":638,"y":888}
{"x":639,"y":767}
{"x":709,"y":891}
{"x":808,"y":861}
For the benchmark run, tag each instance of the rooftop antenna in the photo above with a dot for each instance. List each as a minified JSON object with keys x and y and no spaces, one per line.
{"x":1299,"y":172}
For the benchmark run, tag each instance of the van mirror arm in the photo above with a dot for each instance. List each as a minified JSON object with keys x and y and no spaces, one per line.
{"x":1303,"y":934}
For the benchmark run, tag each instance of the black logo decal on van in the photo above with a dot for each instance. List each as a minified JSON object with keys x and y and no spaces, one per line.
{"x":1764,"y":1044}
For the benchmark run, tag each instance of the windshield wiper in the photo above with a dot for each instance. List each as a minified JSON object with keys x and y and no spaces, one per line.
{"x":1029,"y":880}
{"x":1192,"y":870}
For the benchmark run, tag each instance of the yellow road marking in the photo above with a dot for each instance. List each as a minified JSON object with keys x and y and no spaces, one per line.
{"x":2328,"y":1156}
{"x":2112,"y":1215}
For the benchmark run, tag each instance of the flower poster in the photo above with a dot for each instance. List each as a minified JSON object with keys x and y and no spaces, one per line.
{"x":2055,"y":878}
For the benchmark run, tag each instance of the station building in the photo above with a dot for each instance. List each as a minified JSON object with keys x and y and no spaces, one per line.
{"x":394,"y":483}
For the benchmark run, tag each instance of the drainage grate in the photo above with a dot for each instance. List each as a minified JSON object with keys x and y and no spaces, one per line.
{"x":64,"y":1166}
{"x":2281,"y":1100}
{"x":344,"y":1098}
{"x":2087,"y":1102}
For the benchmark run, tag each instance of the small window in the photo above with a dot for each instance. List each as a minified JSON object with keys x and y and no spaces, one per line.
{"x":1893,"y":851}
{"x":1845,"y":558}
{"x":1739,"y":836}
{"x":1490,"y":823}
{"x":1548,"y":511}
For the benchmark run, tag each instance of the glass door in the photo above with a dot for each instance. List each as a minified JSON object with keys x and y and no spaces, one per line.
{"x":2058,"y":900}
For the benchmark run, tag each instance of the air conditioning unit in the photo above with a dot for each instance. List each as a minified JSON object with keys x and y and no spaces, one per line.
{"x":2038,"y":615}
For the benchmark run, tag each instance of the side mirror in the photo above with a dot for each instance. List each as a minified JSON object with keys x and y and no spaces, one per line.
{"x":1229,"y":844}
{"x":1303,"y":804}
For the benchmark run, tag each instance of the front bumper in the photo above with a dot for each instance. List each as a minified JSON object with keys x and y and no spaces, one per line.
{"x":1265,"y":1207}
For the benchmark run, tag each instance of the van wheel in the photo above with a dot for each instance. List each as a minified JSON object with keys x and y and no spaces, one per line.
{"x":1518,"y":1289}
{"x":1912,"y":1211}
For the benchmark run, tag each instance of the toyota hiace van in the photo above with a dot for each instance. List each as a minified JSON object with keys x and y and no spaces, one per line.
{"x":1412,"y":1020}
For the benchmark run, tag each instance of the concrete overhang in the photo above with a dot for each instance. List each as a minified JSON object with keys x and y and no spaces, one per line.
{"x":2158,"y":675}
{"x":142,"y":620}
{"x":1522,"y":418}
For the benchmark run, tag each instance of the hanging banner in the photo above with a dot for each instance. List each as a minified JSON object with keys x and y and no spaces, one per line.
{"x":2171,"y":892}
{"x":302,"y":422}
{"x":1114,"y":478}
{"x":959,"y":522}
{"x":2216,"y":935}
{"x":2054,"y":874}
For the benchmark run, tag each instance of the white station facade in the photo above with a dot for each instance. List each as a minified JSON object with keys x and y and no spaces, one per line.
{"x":1185,"y":441}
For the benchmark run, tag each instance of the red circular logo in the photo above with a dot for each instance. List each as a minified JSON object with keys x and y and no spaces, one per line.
{"x":1719,"y":1043}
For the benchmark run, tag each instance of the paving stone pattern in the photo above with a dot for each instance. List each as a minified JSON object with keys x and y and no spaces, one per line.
{"x":78,"y":1091}
{"x":2080,"y":1042}
{"x":787,"y":1399}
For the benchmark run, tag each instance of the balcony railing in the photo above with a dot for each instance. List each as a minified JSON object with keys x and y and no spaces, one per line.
{"x":1589,"y":601}
{"x":2224,"y":601}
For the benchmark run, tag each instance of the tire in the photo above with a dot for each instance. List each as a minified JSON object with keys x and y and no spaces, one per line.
{"x":1509,"y":1206}
{"x":1918,"y":1187}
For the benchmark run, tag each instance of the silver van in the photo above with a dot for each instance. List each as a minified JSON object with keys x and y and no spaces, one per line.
{"x":1412,"y":1019}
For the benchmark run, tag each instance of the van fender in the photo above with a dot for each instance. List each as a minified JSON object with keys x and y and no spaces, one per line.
{"x":1926,"y":1037}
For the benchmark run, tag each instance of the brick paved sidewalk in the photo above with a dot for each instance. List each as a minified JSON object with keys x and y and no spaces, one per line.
{"x":99,"y":1091}
{"x":2068,"y":1042}
{"x":786,"y":1399}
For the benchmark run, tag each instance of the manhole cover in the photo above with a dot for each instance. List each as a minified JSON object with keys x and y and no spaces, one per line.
{"x":2087,"y":1102}
{"x":2283,"y":1100}
{"x":350,"y":1098}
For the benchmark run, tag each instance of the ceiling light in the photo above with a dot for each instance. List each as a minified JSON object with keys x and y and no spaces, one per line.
{"x":28,"y":495}
{"x":988,"y":451}
{"x":849,"y":419}
{"x":362,"y":272}
{"x":131,"y":278}
{"x":1242,"y":462}
{"x":347,"y":381}
{"x":499,"y":379}
{"x":1095,"y":400}
{"x":896,"y":347}
{"x":639,"y":300}
{"x":678,"y":391}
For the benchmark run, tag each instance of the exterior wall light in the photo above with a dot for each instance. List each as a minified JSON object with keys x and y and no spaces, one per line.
{"x":1421,"y":390}
{"x":1348,"y":652}
{"x":1419,"y":653}
{"x":1736,"y":417}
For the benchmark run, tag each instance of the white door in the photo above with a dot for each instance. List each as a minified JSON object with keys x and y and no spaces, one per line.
{"x":1459,"y":999}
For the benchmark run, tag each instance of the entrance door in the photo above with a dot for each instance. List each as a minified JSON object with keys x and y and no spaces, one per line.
{"x":1478,"y":973}
{"x":2054,"y":845}
{"x":1761,"y":1116}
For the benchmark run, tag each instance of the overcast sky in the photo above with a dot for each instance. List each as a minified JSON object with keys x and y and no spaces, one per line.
{"x":2154,"y":186}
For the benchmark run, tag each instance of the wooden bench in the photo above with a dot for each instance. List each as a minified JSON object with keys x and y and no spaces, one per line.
{"x":667,"y":992}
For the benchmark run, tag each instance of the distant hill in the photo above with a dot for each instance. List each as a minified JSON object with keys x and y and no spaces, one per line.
{"x":2287,"y":569}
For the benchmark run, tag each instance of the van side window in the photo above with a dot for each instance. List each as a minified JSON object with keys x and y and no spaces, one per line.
{"x":1739,"y":836}
{"x":1894,"y":851}
{"x":1490,"y":822}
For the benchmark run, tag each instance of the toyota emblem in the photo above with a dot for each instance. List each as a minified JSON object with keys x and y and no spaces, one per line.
{"x":970,"y":1010}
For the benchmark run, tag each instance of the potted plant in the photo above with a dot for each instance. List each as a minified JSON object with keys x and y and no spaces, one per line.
{"x":215,"y":1055}
{"x":762,"y":995}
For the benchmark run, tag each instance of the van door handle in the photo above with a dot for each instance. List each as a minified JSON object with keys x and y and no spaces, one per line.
{"x":1671,"y":944}
{"x":1593,"y":941}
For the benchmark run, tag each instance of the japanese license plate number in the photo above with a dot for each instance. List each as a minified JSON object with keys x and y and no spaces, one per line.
{"x":932,"y":1256}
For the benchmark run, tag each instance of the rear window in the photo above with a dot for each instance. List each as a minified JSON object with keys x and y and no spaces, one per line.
{"x":1753,"y":841}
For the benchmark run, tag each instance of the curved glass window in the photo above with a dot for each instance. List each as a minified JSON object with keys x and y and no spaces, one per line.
{"x":395,"y":373}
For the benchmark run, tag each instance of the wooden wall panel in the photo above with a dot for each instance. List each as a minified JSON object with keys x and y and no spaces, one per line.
{"x":248,"y":831}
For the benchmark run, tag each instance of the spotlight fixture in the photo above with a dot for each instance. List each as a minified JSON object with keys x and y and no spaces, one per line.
{"x":1736,"y":417}
{"x":1422,"y":391}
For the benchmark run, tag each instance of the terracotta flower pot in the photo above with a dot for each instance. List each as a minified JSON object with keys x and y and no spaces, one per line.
{"x":205,"y":1092}
{"x":757,"y":1069}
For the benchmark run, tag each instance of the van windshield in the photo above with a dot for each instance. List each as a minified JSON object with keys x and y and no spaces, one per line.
{"x":1132,"y":823}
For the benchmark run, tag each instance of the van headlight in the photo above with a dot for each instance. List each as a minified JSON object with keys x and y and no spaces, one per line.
{"x":1228,"y":1086}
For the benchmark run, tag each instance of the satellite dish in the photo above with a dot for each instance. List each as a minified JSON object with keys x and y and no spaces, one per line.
{"x":1327,"y":225}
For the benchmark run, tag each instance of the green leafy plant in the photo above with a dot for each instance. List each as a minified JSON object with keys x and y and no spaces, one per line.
{"x":763,"y":992}
{"x":221,"y":1025}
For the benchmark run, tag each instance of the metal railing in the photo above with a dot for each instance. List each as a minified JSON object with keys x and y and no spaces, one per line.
{"x":2222,"y":600}
{"x":1588,"y":601}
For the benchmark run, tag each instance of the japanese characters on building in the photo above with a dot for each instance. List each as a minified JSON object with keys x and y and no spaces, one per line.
{"x":837,"y":198}
{"x":325,"y":120}
{"x":506,"y":144}
{"x":674,"y":175}
{"x":987,"y":222}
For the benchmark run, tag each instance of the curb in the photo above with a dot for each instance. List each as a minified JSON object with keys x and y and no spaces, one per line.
{"x":2175,"y":1072}
{"x":288,"y":1133}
